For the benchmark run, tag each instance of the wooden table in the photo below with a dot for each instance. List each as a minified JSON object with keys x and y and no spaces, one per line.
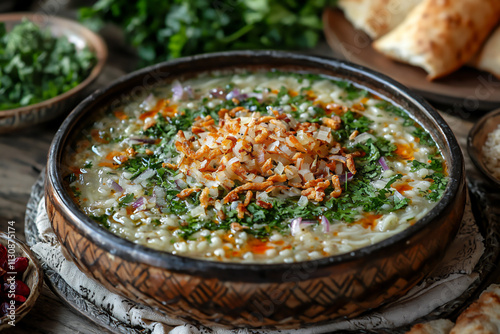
{"x":24,"y":156}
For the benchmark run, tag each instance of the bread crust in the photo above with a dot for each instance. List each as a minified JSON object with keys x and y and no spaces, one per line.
{"x":482,"y":316}
{"x":440,"y":326}
{"x":441,"y":35}
{"x":376,"y":17}
{"x":488,"y":58}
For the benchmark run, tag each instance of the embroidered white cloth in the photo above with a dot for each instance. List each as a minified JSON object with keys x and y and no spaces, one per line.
{"x":451,"y":278}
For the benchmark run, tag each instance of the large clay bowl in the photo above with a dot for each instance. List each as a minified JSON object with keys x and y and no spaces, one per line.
{"x":242,"y":295}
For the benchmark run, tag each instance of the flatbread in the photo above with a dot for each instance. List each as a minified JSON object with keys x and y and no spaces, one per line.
{"x":441,"y":35}
{"x":440,"y":326}
{"x":488,"y":58}
{"x":482,"y":316}
{"x":376,"y":17}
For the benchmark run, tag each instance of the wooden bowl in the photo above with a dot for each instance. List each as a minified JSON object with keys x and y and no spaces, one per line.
{"x":476,"y":139}
{"x":257,"y":295}
{"x":13,"y":119}
{"x":33,"y":277}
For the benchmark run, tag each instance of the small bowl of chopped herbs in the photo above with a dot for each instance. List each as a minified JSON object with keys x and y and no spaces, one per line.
{"x":46,"y":64}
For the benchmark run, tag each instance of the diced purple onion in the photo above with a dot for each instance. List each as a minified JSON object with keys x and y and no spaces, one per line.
{"x":382,"y":163}
{"x":233,"y":94}
{"x":295,"y":225}
{"x":343,"y":178}
{"x":139,"y":202}
{"x":116,"y":187}
{"x":236,"y":94}
{"x":296,"y":222}
{"x":177,"y":90}
{"x":325,"y":223}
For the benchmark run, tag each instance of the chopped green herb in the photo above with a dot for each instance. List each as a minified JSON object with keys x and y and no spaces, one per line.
{"x":76,"y":192}
{"x":384,"y":105}
{"x":126,"y":200}
{"x":70,"y":178}
{"x":283,"y":91}
{"x":435,"y":165}
{"x":424,"y":136}
{"x":416,"y":165}
{"x":350,"y":123}
{"x":103,"y":220}
{"x":438,"y":186}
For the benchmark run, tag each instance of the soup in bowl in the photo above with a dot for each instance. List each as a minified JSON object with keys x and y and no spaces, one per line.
{"x":249,"y":189}
{"x":263,"y":167}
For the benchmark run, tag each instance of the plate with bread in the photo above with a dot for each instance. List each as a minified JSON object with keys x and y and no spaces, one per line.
{"x":448,"y":51}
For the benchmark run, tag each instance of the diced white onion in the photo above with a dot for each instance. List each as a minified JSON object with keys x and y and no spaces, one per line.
{"x":302,"y":201}
{"x":145,"y":175}
{"x":279,"y":168}
{"x":258,"y":179}
{"x":286,"y":150}
{"x":363,"y":137}
{"x":198,"y":211}
{"x":272,"y":147}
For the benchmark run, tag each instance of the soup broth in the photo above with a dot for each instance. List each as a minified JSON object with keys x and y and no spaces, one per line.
{"x":256,"y":167}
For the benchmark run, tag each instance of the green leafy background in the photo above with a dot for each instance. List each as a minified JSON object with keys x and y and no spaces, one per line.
{"x":162,"y":30}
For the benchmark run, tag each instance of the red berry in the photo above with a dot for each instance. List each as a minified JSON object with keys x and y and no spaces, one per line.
{"x":19,"y":288}
{"x":3,"y":255}
{"x":20,"y":299}
{"x":20,"y":265}
{"x":22,"y":289}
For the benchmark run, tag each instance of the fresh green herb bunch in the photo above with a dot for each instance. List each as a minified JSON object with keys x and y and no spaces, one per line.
{"x":163,"y":30}
{"x":35,"y":66}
